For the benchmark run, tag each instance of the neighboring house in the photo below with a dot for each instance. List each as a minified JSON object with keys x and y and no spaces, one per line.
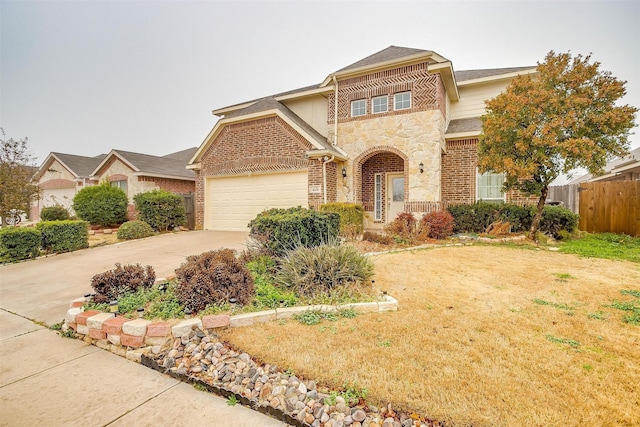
{"x":626,"y":168}
{"x":60,"y":177}
{"x":395,"y":132}
{"x":138,"y":173}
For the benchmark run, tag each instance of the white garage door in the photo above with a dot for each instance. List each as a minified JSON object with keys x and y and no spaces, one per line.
{"x":57,"y":196}
{"x":234,"y":201}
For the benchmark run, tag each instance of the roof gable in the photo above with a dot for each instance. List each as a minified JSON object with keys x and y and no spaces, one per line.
{"x":148,"y":165}
{"x":78,"y":166}
{"x":389,"y":54}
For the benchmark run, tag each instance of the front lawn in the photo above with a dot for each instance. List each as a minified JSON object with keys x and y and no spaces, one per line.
{"x":484,"y":335}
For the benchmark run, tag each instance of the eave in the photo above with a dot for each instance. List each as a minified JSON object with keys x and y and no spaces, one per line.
{"x":496,"y":78}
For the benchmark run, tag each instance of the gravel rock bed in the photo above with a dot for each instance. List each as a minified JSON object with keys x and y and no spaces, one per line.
{"x":200,"y":358}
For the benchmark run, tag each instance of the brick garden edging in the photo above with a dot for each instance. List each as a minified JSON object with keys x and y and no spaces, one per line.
{"x":118,"y":334}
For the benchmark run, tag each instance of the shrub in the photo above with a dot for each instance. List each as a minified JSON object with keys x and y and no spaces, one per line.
{"x":557,"y":218}
{"x":18,"y":243}
{"x":473,"y":218}
{"x":101,"y":205}
{"x":519,"y":217}
{"x":403,"y":225}
{"x":377,"y":238}
{"x":280,"y":230}
{"x":437,"y":225}
{"x":54,"y":213}
{"x":134,"y":230}
{"x":213,"y":277}
{"x":63,"y":236}
{"x":160,"y":209}
{"x":122,"y":280}
{"x":319,"y":270}
{"x":351,"y":217}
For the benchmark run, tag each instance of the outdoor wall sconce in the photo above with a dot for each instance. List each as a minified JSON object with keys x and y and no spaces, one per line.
{"x":113,"y":307}
{"x":344,"y":172}
{"x":421,"y":167}
{"x":140,"y":312}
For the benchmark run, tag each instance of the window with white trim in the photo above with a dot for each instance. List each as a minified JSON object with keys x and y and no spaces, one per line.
{"x":402,"y":101}
{"x":358,"y":107}
{"x":380,"y":104}
{"x":489,"y":187}
{"x":121,"y":185}
{"x":378,"y":198}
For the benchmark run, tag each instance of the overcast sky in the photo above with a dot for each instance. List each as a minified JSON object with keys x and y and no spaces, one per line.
{"x":83,"y":77}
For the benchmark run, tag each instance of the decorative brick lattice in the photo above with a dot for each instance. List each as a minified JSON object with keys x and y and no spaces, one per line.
{"x":426,"y":91}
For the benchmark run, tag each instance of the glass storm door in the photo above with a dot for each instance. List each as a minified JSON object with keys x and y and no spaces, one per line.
{"x":395,"y":196}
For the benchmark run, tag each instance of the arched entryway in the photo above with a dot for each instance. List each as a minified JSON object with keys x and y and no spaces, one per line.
{"x":381,"y":183}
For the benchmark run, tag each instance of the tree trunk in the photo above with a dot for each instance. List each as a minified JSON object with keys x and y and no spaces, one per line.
{"x":535,"y":224}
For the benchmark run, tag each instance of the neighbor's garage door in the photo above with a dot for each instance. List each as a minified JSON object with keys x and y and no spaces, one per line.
{"x":57,"y":196}
{"x":234,"y":201}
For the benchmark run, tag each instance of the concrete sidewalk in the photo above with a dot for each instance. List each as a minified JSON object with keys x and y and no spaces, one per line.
{"x":48,"y":380}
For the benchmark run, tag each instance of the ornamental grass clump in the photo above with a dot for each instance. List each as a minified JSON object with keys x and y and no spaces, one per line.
{"x":214,"y":277}
{"x":311,"y":272}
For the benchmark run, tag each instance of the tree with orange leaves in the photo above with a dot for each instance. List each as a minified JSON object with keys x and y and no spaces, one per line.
{"x":546,"y":124}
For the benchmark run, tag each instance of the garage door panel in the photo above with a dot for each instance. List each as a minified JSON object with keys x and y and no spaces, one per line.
{"x":234,"y":201}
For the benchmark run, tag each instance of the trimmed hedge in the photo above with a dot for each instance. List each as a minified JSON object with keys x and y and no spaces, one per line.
{"x":160,"y":209}
{"x":476,"y":217}
{"x":351,"y":217}
{"x":63,"y":236}
{"x":17,"y":243}
{"x":54,"y":213}
{"x":134,"y":230}
{"x":101,"y":205}
{"x":282,"y":230}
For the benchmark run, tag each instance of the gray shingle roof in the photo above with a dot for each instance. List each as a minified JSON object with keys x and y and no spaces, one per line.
{"x":167,"y":166}
{"x":80,"y":165}
{"x":185,"y":155}
{"x":464,"y":75}
{"x":388,"y":54}
{"x":471,"y":124}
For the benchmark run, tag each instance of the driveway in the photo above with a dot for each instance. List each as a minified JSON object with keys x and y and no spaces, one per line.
{"x":49,"y":380}
{"x":41,"y":289}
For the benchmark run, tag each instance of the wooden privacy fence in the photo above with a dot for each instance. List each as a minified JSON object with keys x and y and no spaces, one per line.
{"x":610,"y":207}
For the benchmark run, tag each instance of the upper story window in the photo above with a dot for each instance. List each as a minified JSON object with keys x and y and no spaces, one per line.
{"x":402,"y":101}
{"x":489,"y":187}
{"x":380,"y":104}
{"x":358,"y":107}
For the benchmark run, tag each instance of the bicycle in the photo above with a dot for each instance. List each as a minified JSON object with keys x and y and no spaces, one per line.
{"x":13,"y":218}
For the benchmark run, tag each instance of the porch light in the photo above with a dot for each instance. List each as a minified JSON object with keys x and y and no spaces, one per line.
{"x":421,"y":167}
{"x":140,"y":312}
{"x":344,"y":172}
{"x":113,"y":307}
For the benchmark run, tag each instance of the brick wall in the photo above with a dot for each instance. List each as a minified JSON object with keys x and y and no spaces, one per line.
{"x":177,"y":186}
{"x":264,"y":145}
{"x":380,"y":163}
{"x":459,"y":171}
{"x":424,"y":87}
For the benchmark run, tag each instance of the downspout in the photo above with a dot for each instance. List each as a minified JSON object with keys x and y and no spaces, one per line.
{"x":324,"y":177}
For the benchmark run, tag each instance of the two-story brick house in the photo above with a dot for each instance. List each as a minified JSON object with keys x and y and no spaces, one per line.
{"x":395,"y":132}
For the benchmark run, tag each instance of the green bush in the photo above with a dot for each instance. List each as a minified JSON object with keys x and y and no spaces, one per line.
{"x":54,"y":213}
{"x":134,"y":230}
{"x":101,"y":205}
{"x":160,"y":209}
{"x":473,"y":218}
{"x":63,"y":236}
{"x":319,"y":270}
{"x":113,"y":284}
{"x":213,"y":277}
{"x":519,"y":217}
{"x":351,"y":217}
{"x":18,"y":243}
{"x":555,"y":219}
{"x":281,"y":230}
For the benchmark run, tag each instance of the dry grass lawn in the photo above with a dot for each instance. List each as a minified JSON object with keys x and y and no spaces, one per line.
{"x":484,"y":336}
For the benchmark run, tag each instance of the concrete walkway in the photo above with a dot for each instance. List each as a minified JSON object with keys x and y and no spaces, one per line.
{"x":52,"y":381}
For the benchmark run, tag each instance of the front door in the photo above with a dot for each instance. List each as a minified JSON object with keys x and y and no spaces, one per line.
{"x":395,"y":196}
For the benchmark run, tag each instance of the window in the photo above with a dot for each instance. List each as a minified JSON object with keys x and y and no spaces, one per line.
{"x":120,"y":184}
{"x":378,"y":198}
{"x":358,"y":108}
{"x":490,"y":187}
{"x":380,"y":104}
{"x":402,"y":101}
